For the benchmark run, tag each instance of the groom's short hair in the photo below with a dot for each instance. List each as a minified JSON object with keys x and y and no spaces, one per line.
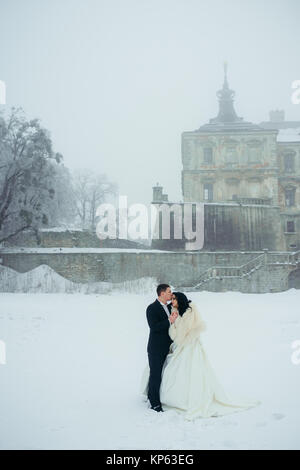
{"x":161,"y":288}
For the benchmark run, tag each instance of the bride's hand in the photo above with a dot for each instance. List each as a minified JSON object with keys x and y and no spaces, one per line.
{"x":173,"y":317}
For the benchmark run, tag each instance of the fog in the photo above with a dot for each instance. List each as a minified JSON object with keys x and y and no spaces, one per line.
{"x":117,"y":81}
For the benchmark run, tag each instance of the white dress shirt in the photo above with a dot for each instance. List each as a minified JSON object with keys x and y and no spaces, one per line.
{"x":165,"y":308}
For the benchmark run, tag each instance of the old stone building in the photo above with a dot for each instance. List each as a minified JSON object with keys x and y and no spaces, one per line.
{"x":248,"y":177}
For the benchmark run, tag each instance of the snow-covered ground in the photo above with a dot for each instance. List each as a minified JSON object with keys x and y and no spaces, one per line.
{"x":44,"y":279}
{"x":74,"y":364}
{"x":78,"y":250}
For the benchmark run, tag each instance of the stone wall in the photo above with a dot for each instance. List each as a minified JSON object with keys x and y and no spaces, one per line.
{"x":251,"y":271}
{"x":68,"y":239}
{"x":236,"y":227}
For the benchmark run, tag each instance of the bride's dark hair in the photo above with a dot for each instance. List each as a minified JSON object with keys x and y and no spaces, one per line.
{"x":183,"y":302}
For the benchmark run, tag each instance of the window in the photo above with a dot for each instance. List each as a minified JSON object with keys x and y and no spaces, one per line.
{"x":289,"y":197}
{"x":254,"y":151}
{"x":231,"y":155}
{"x":254,"y":154}
{"x":208,"y":155}
{"x":289,"y":162}
{"x":290,"y":226}
{"x":208,"y":192}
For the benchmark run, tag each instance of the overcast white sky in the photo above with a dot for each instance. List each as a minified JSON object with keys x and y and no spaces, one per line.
{"x":117,"y":81}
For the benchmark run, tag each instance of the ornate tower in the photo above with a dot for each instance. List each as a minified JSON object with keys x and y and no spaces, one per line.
{"x":226,"y":98}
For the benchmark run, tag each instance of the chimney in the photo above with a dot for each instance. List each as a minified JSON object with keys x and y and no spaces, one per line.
{"x":276,"y":115}
{"x":158,"y":195}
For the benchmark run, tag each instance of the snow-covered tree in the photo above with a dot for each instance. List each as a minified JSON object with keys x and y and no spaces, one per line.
{"x":30,"y":176}
{"x":62,"y":211}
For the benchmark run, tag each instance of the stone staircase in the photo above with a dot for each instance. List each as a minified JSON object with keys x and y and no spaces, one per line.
{"x":247,"y":269}
{"x":291,"y":259}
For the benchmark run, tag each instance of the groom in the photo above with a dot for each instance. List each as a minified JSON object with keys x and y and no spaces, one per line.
{"x":159,"y":318}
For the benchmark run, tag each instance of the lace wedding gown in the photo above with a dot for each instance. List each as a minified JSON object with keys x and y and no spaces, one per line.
{"x":189,"y":384}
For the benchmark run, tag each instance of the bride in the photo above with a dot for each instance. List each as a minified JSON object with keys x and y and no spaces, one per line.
{"x":189,"y":384}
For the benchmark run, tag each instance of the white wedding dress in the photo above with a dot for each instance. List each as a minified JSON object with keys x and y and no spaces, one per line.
{"x":189,"y":384}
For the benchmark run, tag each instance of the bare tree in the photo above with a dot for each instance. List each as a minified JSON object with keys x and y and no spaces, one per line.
{"x":62,"y":211}
{"x":28,"y":168}
{"x":90,"y":191}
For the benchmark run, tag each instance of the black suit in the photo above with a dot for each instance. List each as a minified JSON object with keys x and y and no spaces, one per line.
{"x":158,"y":347}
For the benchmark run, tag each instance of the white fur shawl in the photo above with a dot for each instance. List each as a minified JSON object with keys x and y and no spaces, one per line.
{"x":188,"y":327}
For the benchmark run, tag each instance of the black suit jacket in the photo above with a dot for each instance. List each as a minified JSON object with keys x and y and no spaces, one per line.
{"x":159,"y":339}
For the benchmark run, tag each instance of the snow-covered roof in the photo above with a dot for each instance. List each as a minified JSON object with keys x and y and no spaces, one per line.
{"x":289,"y":135}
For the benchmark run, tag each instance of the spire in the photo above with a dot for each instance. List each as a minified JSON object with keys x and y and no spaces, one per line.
{"x":226,"y":98}
{"x":227,"y":119}
{"x":225,"y":73}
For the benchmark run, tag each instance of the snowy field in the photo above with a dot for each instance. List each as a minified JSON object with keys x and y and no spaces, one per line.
{"x":74,"y":364}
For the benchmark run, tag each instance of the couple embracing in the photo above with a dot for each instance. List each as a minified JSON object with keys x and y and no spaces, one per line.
{"x":179,"y":375}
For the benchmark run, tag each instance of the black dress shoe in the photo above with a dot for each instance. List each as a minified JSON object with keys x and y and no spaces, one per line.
{"x":157,"y":408}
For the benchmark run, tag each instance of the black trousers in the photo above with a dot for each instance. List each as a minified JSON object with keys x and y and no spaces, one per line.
{"x":156,"y":362}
